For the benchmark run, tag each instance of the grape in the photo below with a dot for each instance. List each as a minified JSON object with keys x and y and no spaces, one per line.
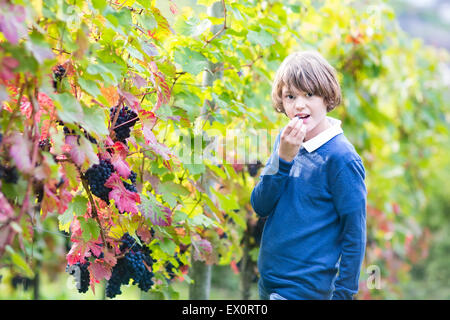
{"x":58,"y":74}
{"x":131,"y":187}
{"x":253,"y":168}
{"x":82,"y":277}
{"x":97,"y":176}
{"x":170,"y":268}
{"x":45,"y":145}
{"x":131,"y":266}
{"x":9,"y":174}
{"x":21,"y":281}
{"x":68,"y":131}
{"x":125,"y":115}
{"x":1,"y":138}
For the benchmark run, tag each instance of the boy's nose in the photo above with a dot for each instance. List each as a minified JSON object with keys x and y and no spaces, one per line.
{"x":300,"y":103}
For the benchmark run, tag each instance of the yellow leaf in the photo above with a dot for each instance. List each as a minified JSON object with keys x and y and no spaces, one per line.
{"x":110,"y":94}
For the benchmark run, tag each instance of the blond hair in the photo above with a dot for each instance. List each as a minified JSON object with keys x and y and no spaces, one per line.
{"x":307,"y":71}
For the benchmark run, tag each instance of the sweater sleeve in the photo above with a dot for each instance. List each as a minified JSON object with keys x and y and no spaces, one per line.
{"x":349,"y":197}
{"x":272,"y":183}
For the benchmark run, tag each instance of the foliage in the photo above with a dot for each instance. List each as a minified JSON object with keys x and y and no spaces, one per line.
{"x":66,"y":64}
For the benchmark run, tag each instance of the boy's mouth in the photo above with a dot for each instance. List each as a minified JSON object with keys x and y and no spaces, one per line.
{"x":302,"y":115}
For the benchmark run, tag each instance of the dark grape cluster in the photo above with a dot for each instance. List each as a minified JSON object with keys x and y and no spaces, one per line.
{"x":122,"y":132}
{"x":131,"y":187}
{"x":131,"y":266}
{"x":97,"y":176}
{"x":68,"y":131}
{"x":99,"y":173}
{"x":58,"y":74}
{"x":253,"y":168}
{"x":9,"y":174}
{"x":45,"y":145}
{"x":171,"y":269}
{"x":81,"y":273}
{"x":25,"y":282}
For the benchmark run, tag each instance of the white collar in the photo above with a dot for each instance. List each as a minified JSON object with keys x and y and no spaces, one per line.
{"x":324,"y":136}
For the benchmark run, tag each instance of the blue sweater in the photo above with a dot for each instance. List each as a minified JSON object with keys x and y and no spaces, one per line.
{"x":316,"y":225}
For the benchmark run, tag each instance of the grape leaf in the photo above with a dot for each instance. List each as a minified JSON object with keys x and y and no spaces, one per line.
{"x":69,"y":109}
{"x":6,"y":211}
{"x":158,"y":214}
{"x":75,"y":152}
{"x":89,"y":86}
{"x":190,"y":61}
{"x":94,"y":120}
{"x":263,"y":38}
{"x":20,"y":151}
{"x":125,"y":200}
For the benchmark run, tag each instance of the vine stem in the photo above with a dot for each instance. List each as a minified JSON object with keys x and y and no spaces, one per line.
{"x":224,"y":27}
{"x":124,"y":123}
{"x":34,"y":154}
{"x":116,"y":115}
{"x":93,"y":207}
{"x":35,"y":129}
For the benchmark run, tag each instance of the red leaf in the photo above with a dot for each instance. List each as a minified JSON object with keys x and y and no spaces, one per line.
{"x":81,"y":250}
{"x":234,"y":267}
{"x":75,"y":152}
{"x":173,"y":7}
{"x":144,"y":234}
{"x":100,"y":270}
{"x":12,"y":22}
{"x":157,"y":147}
{"x":125,"y":200}
{"x":20,"y":152}
{"x":131,"y":100}
{"x":202,"y":247}
{"x":138,"y":81}
{"x":6,"y":211}
{"x":121,"y":166}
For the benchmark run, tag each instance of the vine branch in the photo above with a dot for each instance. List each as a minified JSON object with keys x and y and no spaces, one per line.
{"x":224,"y":27}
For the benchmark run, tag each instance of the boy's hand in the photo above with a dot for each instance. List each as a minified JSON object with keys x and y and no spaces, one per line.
{"x":291,"y":139}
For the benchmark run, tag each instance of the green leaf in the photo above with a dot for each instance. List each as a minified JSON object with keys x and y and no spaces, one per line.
{"x":218,"y":171}
{"x":195,"y":168}
{"x":170,"y":186}
{"x":65,"y":220}
{"x":100,"y":5}
{"x":168,"y":246}
{"x":263,"y":38}
{"x":91,"y":231}
{"x":94,"y":120}
{"x":89,"y":86}
{"x":78,"y":205}
{"x":227,"y":202}
{"x":179,"y":216}
{"x":148,"y":21}
{"x":69,"y":109}
{"x":201,"y":220}
{"x":20,"y":262}
{"x":190,"y":61}
{"x":193,"y":27}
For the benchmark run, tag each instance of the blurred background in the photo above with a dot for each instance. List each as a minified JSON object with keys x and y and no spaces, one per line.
{"x":426,"y":276}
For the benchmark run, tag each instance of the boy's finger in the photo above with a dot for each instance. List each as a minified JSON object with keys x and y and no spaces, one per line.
{"x":301,"y":132}
{"x":290,"y":126}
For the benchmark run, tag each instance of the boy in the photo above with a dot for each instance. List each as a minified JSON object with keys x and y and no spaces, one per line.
{"x":312,"y":191}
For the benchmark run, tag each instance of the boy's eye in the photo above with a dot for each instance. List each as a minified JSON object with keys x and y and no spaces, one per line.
{"x":309,"y":94}
{"x":290,"y":96}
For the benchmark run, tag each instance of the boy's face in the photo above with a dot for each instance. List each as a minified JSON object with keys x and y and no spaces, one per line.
{"x":311,"y":108}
